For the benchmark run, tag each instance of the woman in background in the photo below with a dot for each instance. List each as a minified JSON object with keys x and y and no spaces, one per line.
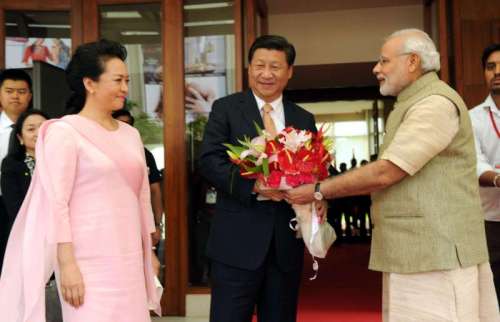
{"x":17,"y":170}
{"x":19,"y":164}
{"x":91,"y":190}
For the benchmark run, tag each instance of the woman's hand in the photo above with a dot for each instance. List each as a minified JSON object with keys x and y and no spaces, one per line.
{"x":72,"y":286}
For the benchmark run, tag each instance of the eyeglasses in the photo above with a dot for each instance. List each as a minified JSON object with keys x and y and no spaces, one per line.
{"x":385,"y":60}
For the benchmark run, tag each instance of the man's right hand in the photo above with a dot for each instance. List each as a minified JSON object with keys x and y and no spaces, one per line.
{"x":272,"y":194}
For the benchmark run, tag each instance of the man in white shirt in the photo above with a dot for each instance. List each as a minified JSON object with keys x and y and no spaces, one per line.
{"x":486,"y":123}
{"x":15,"y":98}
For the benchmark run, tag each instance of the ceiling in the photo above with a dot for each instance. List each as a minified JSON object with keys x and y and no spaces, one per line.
{"x":300,"y":6}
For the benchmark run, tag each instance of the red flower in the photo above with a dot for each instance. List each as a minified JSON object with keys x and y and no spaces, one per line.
{"x":286,"y":161}
{"x":274,"y":166}
{"x":273,"y":147}
{"x":274,"y":179}
{"x":295,"y":180}
{"x":306,"y":178}
{"x":323,"y":172}
{"x":292,"y":180}
{"x":305,"y":167}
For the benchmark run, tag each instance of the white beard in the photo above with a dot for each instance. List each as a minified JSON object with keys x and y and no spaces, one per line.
{"x":394,"y":85}
{"x":387,"y":89}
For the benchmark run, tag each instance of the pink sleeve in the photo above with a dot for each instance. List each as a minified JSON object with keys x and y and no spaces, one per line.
{"x":61,"y":149}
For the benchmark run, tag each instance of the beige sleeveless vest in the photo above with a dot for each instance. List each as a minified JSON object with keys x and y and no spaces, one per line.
{"x":432,"y":220}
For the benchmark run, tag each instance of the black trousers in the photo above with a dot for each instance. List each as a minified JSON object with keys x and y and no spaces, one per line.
{"x":237,"y":292}
{"x":493,"y":238}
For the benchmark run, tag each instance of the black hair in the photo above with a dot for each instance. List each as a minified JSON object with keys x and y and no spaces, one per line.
{"x":16,"y":75}
{"x":123,"y":112}
{"x":89,"y":61}
{"x":273,"y":42}
{"x":488,"y":51}
{"x":17,"y":150}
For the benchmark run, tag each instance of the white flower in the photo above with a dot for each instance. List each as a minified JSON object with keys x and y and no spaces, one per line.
{"x":256,"y":147}
{"x":294,"y":140}
{"x":261,"y":158}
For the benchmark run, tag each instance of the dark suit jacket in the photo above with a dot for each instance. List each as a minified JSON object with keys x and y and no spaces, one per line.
{"x":15,"y":181}
{"x":242,"y":227}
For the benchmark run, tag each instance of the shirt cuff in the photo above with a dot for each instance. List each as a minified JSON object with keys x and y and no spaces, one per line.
{"x":405,"y":166}
{"x":482,"y":167}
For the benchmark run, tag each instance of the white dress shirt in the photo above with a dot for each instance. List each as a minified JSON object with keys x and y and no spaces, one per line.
{"x":488,"y":153}
{"x":278,"y":112}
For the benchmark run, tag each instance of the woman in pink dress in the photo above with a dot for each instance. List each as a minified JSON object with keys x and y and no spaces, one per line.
{"x":87,"y":213}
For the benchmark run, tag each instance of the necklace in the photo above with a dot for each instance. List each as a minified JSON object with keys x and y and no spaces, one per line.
{"x":494,"y":123}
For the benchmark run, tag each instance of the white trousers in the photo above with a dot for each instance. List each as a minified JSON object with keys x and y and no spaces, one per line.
{"x":459,"y":295}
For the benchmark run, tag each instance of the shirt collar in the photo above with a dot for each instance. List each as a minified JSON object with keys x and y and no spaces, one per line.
{"x":277,"y":104}
{"x":5,"y":121}
{"x":489,"y":103}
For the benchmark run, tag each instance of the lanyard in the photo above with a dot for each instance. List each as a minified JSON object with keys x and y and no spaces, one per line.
{"x":494,"y":123}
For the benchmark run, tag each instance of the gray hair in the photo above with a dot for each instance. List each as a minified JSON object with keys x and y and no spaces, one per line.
{"x":418,"y":42}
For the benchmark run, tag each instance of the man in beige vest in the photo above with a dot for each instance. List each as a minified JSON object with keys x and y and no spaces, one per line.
{"x":428,"y":236}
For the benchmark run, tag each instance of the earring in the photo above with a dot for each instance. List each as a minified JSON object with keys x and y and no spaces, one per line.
{"x":22,"y":143}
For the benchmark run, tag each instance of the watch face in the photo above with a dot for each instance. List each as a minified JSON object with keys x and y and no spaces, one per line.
{"x":318,"y":195}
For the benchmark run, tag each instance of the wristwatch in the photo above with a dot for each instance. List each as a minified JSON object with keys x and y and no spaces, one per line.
{"x":317,"y":193}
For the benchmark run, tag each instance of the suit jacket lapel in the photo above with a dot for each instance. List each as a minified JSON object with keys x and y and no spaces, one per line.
{"x":251,"y":112}
{"x":290,"y":115}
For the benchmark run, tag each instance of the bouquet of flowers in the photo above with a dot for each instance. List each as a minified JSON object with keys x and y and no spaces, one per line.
{"x":292,"y":158}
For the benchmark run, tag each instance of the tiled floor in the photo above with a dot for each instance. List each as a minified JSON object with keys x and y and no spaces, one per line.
{"x":179,"y":319}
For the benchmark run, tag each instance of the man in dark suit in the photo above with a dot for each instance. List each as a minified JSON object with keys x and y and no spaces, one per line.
{"x":256,"y":258}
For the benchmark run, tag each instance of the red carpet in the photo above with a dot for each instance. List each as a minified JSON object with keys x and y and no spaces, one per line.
{"x":345,"y":290}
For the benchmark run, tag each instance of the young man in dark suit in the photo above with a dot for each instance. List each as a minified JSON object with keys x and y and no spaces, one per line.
{"x":15,"y":98}
{"x":256,"y":258}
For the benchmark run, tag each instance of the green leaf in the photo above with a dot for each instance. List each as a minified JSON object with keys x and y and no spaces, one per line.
{"x":232,"y":155}
{"x":257,"y":127}
{"x":235,"y":149}
{"x":256,"y":169}
{"x":265,"y":167}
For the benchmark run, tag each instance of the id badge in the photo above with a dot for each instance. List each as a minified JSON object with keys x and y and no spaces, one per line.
{"x":211,"y":196}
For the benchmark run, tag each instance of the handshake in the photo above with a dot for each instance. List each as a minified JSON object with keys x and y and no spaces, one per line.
{"x":303,"y":194}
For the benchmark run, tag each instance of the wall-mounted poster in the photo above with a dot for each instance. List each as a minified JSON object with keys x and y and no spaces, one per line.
{"x":21,"y":52}
{"x":205,"y":55}
{"x":205,"y":68}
